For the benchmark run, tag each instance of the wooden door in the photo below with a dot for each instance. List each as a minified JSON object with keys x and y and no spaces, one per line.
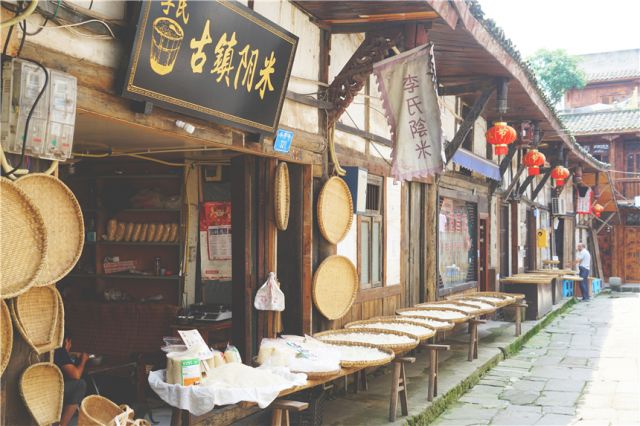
{"x":413,"y":244}
{"x":532,"y":246}
{"x":631,"y":252}
{"x":483,"y":262}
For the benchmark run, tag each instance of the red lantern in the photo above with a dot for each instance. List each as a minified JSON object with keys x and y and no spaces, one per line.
{"x":501,"y":135}
{"x":533,"y":160}
{"x":560,"y":174}
{"x":597,"y":209}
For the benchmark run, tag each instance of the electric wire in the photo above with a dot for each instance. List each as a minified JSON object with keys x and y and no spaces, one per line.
{"x":21,"y":17}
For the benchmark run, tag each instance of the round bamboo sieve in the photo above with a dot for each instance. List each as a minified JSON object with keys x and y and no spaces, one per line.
{"x":365,"y":363}
{"x":23,"y":240}
{"x":335,"y":210}
{"x":332,"y":336}
{"x":335,"y":286}
{"x":6,"y":330}
{"x":429,"y":332}
{"x":63,"y":222}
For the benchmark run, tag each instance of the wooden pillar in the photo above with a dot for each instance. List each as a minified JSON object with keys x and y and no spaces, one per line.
{"x":431,"y":223}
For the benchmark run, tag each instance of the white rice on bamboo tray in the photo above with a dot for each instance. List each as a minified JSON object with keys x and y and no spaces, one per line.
{"x":492,"y":299}
{"x":373,"y":338}
{"x":416,"y":330}
{"x":443,"y":315}
{"x":428,"y":321}
{"x":481,"y":305}
{"x":359,"y":353}
{"x":467,"y":309}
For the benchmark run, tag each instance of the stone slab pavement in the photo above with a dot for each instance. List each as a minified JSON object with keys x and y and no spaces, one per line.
{"x":582,"y":369}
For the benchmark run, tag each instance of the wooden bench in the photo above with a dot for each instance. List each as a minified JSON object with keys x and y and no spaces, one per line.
{"x":281,"y":409}
{"x":399,"y":387}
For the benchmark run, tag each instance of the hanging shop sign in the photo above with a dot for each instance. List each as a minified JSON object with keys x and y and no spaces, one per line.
{"x":216,"y":60}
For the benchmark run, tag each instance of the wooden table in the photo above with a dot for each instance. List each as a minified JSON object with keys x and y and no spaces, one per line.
{"x":537,"y":290}
{"x":556,"y":284}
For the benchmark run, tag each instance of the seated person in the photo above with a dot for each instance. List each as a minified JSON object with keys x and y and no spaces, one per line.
{"x":74,"y":386}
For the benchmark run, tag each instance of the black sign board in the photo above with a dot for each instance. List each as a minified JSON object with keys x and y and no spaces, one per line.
{"x":216,"y":60}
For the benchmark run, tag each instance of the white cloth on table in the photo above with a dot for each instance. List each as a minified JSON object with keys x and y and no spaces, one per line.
{"x":199,"y":400}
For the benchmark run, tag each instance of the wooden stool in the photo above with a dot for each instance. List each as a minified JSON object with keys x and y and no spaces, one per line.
{"x":281,"y":408}
{"x":433,"y":368}
{"x":399,"y":387}
{"x":473,"y":339}
{"x":519,"y":306}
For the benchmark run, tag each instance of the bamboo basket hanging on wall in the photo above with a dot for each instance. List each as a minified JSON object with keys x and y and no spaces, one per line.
{"x":63,"y":222}
{"x":23,"y":240}
{"x":36,"y":318}
{"x":6,"y":330}
{"x":335,"y":286}
{"x":335,"y":210}
{"x":42,"y":390}
{"x":282,"y":194}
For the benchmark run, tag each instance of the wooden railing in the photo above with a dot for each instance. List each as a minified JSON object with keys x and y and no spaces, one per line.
{"x":628,"y":187}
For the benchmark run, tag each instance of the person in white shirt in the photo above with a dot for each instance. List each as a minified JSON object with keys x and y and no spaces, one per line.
{"x":583,"y":262}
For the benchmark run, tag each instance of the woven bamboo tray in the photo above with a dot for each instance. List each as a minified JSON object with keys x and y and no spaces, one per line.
{"x":96,"y":410}
{"x":446,"y":325}
{"x":23,"y":240}
{"x":335,"y":286}
{"x":63,"y":222}
{"x":335,"y":210}
{"x":444,"y":305}
{"x":429,"y":332}
{"x":282,"y":194}
{"x":42,"y":389}
{"x":368,"y":363}
{"x":6,"y":334}
{"x":484,"y":307}
{"x":319,"y":375}
{"x":395,"y":347}
{"x":465,"y":308}
{"x":36,"y":317}
{"x":427,"y":315}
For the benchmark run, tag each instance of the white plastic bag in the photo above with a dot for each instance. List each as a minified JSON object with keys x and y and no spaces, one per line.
{"x":269,"y":297}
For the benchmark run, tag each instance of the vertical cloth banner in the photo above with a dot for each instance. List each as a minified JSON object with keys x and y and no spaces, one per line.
{"x":410,"y":101}
{"x":585,"y":200}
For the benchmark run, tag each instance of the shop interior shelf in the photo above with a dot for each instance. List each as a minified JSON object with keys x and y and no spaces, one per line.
{"x":125,"y":276}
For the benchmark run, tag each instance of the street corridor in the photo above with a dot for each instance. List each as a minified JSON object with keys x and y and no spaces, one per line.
{"x":582,"y":369}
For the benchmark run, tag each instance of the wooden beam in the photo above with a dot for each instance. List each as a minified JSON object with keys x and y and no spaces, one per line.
{"x":383,"y":17}
{"x":541,"y":184}
{"x":367,"y":135}
{"x":513,"y":183}
{"x":525,"y":185}
{"x":308,"y":100}
{"x":462,"y":89}
{"x":469,"y":121}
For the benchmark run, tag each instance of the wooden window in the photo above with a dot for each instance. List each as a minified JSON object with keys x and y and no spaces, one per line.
{"x":370,"y":236}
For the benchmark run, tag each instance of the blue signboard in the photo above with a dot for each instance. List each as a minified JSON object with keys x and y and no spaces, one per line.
{"x":283,"y":141}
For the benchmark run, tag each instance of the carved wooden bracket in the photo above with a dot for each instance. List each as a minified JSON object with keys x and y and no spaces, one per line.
{"x":356,"y":72}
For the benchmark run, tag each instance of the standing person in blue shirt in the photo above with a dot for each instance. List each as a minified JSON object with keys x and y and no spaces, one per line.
{"x":74,"y":385}
{"x":583,"y":261}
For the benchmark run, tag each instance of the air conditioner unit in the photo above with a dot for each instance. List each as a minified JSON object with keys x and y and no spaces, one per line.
{"x":558,"y":206}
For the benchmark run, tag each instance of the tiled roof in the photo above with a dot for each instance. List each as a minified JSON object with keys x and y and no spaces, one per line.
{"x":613,"y":75}
{"x":603,"y":121}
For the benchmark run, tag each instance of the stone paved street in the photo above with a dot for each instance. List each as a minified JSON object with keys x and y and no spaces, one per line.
{"x":582,"y":369}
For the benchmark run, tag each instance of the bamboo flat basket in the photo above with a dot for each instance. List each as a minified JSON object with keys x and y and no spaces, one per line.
{"x":430,"y":332}
{"x":446,"y":325}
{"x":395,"y":347}
{"x":42,"y":390}
{"x":335,"y":286}
{"x":435,"y":317}
{"x":365,"y":363}
{"x":6,"y":330}
{"x":36,"y":318}
{"x":335,"y":210}
{"x":467,"y":309}
{"x":282,"y":194}
{"x":487,"y":309}
{"x":63,"y":222}
{"x":319,"y":375}
{"x":446,"y":306}
{"x":23,"y":240}
{"x":507,"y":298}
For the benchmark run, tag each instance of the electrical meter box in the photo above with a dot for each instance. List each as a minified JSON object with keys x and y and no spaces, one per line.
{"x":50,"y":132}
{"x":356,"y":179}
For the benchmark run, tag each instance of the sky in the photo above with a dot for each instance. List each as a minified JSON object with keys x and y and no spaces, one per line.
{"x":578,"y":26}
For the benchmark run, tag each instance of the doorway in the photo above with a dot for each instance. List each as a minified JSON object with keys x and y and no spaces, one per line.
{"x":631,"y":254}
{"x":504,"y":240}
